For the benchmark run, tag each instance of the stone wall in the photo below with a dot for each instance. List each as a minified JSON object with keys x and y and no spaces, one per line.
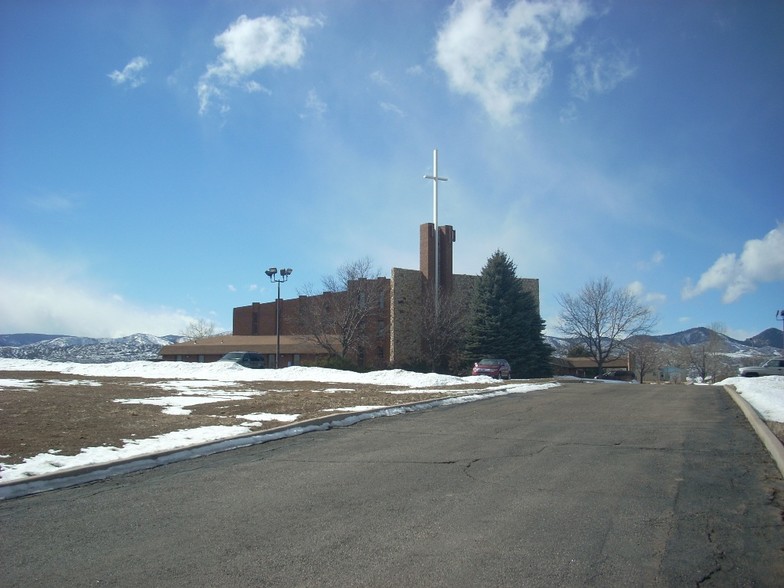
{"x":405,"y":316}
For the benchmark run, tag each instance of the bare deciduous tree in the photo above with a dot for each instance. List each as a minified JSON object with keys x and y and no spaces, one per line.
{"x":199,"y":329}
{"x":602,"y":317}
{"x":342,"y":319}
{"x":648,"y":355}
{"x":443,"y":333}
{"x":706,"y":359}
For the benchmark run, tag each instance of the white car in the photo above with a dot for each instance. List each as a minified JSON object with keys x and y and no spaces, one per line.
{"x":772,"y":367}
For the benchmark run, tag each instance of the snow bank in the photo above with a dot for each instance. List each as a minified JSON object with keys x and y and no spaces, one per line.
{"x":765,"y":394}
{"x":230,"y":372}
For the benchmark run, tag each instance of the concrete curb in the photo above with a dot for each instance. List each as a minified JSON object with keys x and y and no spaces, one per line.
{"x":769,"y":440}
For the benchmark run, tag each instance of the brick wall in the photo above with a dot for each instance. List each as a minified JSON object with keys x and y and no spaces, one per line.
{"x":259,"y":318}
{"x":427,"y":246}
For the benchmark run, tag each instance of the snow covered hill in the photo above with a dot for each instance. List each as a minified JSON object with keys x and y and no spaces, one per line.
{"x":84,"y":349}
{"x":769,"y":337}
{"x":766,"y":344}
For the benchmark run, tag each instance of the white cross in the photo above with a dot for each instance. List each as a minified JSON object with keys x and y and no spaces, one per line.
{"x":436,"y":179}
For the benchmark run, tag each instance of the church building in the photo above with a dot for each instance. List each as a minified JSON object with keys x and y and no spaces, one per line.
{"x":394,"y":332}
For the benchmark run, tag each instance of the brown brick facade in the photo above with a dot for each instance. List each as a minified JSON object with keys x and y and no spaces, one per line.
{"x":259,"y":318}
{"x":427,"y":260}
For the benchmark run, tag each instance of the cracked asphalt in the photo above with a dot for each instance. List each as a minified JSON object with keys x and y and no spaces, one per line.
{"x":583,"y":485}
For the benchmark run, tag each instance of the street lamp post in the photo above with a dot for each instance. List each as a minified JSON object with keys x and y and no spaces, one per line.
{"x":780,"y":316}
{"x":272,"y":273}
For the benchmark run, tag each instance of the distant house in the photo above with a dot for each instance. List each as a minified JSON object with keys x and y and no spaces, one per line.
{"x":394,"y":336}
{"x":586,"y":367}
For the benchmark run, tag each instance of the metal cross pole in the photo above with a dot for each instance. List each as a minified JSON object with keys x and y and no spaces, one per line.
{"x":436,"y":179}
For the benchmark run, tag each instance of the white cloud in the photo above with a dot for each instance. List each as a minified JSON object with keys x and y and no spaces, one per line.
{"x":599,"y":70}
{"x":389,"y":107}
{"x":249,"y":45}
{"x":131,"y":73}
{"x":651,"y":298}
{"x":232,"y":288}
{"x":568,"y":113}
{"x":762,"y":260}
{"x":56,"y":296}
{"x":53,"y":202}
{"x":501,"y":57}
{"x":378,"y":77}
{"x":635,"y":288}
{"x":656,"y":259}
{"x":253,"y":87}
{"x":314,"y":105}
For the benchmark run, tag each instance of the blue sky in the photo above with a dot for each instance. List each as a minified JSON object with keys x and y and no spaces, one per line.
{"x":157,"y":157}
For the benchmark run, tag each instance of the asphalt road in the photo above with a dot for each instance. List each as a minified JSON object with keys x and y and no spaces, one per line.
{"x":586,"y":484}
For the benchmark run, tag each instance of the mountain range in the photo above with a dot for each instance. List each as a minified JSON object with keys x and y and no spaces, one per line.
{"x":84,"y":349}
{"x":768,"y":343}
{"x":147,"y":347}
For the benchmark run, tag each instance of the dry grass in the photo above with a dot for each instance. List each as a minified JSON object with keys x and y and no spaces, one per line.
{"x":67,"y":413}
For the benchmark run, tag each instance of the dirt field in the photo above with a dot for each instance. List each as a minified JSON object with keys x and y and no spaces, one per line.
{"x":67,"y":413}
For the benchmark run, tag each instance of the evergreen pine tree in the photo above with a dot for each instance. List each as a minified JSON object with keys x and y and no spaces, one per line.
{"x":505,"y":322}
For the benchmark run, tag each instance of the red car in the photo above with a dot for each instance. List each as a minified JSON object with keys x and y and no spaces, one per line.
{"x":495,"y":368}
